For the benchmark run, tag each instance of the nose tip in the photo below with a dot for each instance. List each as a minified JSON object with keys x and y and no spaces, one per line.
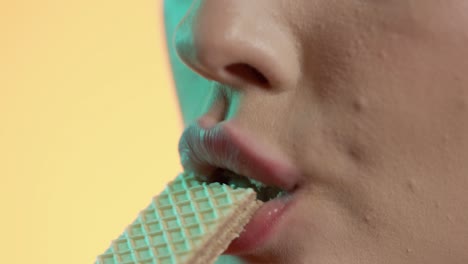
{"x":237,"y":43}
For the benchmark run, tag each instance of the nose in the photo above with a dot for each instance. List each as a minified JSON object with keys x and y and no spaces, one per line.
{"x":239,"y":43}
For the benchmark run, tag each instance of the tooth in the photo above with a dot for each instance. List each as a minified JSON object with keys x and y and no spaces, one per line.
{"x":236,"y":180}
{"x":272,"y":192}
{"x":264,"y":193}
{"x":257,"y":184}
{"x":280,"y":194}
{"x":239,"y":182}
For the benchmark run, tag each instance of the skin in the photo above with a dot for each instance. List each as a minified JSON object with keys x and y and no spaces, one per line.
{"x":368,"y":98}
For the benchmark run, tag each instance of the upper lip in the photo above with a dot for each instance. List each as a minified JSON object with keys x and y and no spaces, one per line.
{"x":203,"y":150}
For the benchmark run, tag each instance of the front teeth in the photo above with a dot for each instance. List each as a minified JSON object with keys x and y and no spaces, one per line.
{"x":267,"y":193}
{"x":264,"y":193}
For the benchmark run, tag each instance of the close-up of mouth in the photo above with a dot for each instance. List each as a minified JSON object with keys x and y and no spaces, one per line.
{"x":234,"y":131}
{"x":228,"y":156}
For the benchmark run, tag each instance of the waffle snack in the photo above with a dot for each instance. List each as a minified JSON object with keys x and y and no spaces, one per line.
{"x":188,"y":222}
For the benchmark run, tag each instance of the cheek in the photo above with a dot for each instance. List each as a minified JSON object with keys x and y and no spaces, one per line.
{"x":383,"y":105}
{"x":387,"y":90}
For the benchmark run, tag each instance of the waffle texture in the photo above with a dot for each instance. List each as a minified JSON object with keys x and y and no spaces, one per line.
{"x":189,"y":222}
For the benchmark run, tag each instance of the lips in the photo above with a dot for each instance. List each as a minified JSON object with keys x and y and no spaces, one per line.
{"x":226,"y":146}
{"x":203,"y":150}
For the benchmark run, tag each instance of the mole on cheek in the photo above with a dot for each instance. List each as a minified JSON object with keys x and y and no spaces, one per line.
{"x":359,"y":104}
{"x":356,"y":154}
{"x":356,"y":151}
{"x":412,"y":186}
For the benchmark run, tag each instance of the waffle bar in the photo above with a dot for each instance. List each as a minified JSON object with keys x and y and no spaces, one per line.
{"x":189,"y":222}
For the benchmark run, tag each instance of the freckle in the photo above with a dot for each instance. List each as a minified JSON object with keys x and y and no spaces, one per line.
{"x":367,"y":218}
{"x":359,"y":104}
{"x":437,"y":204}
{"x":356,"y":154}
{"x":412,"y":185}
{"x":383,"y":54}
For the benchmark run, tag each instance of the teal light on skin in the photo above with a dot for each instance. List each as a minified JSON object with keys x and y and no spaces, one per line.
{"x":192,"y":90}
{"x":234,"y":98}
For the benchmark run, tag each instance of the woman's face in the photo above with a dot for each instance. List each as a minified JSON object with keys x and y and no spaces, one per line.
{"x":369,"y":101}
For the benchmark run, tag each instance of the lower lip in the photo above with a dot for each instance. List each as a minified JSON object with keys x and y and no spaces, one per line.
{"x":261,"y":228}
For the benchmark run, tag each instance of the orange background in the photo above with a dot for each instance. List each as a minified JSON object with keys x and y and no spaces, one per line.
{"x":89,"y":124}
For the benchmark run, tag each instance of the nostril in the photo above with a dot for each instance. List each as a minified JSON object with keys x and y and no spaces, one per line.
{"x":248,"y":73}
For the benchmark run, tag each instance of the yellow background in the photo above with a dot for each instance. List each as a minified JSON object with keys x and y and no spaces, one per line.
{"x":89,"y":124}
